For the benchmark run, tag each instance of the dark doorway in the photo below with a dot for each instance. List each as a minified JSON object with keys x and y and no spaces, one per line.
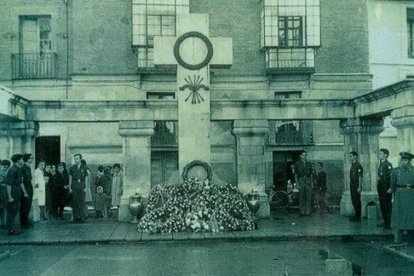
{"x":48,"y":149}
{"x":282,"y":160}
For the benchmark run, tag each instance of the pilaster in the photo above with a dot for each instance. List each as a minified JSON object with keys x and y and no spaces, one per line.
{"x":136,"y":150}
{"x":403,"y":121}
{"x":362,"y":136}
{"x":251,"y":161}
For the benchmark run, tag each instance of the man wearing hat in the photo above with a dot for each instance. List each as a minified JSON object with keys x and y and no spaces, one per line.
{"x":14,"y":192}
{"x":384,"y":178}
{"x":402,"y":186}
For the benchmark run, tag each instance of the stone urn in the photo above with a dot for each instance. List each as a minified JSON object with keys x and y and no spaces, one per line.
{"x":136,"y":206}
{"x":253,"y":201}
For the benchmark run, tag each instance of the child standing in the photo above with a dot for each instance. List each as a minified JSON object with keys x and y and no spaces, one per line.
{"x":100,"y":203}
{"x":5,"y":165}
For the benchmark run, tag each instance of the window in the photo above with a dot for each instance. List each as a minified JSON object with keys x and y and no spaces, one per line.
{"x":151,"y":18}
{"x":35,"y":59}
{"x":410,"y":35}
{"x":290,"y":32}
{"x":291,"y":132}
{"x":288,"y":95}
{"x":35,"y":34}
{"x":160,"y":96}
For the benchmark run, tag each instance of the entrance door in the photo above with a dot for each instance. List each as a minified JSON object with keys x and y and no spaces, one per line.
{"x":164,"y":168}
{"x":282,"y":160}
{"x":48,"y":149}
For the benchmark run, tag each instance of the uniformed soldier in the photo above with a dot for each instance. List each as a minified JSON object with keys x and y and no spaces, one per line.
{"x":77,"y":186}
{"x":304,"y":179}
{"x":14,"y":183}
{"x":26,"y":202}
{"x":402,"y":186}
{"x":355,"y":185}
{"x":384,"y":182}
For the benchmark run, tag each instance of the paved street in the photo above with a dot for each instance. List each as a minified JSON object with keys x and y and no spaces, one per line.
{"x":193,"y":258}
{"x":285,"y":243}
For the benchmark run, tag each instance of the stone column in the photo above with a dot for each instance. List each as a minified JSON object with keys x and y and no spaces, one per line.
{"x":403,"y":121}
{"x":136,"y":150}
{"x":362,"y":136}
{"x":17,"y":137}
{"x":251,"y":162}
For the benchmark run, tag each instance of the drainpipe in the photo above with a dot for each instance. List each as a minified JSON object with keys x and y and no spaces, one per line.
{"x":66,"y":2}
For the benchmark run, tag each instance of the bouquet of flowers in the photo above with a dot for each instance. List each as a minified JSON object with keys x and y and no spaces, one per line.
{"x":197,"y":206}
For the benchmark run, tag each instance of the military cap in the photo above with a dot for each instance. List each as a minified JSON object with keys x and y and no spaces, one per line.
{"x":406,"y":155}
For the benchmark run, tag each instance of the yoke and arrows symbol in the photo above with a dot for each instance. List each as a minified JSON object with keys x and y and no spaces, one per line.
{"x":194,"y":85}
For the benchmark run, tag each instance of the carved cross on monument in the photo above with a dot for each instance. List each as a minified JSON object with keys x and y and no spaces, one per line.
{"x":194,"y":52}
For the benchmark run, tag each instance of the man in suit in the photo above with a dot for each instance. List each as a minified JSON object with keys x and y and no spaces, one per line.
{"x":77,"y":186}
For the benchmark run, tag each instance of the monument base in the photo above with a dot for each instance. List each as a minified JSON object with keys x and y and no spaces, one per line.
{"x":264,"y":210}
{"x":123,"y":211}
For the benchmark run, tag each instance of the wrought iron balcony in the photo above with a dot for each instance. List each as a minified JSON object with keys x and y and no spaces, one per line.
{"x":292,"y":132}
{"x":165,"y":134}
{"x":290,"y":60}
{"x":34,"y":66}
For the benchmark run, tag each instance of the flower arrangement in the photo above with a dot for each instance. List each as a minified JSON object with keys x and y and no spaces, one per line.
{"x":196,"y":206}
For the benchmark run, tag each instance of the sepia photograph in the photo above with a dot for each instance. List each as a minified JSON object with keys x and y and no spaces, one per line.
{"x":206,"y":137}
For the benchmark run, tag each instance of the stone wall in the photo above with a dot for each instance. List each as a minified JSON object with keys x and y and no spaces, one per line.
{"x":9,"y":31}
{"x":389,"y":61}
{"x":223,"y":152}
{"x":102,"y":37}
{"x":344,"y":37}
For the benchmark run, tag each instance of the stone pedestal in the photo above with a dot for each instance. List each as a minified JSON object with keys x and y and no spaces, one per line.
{"x":251,"y":162}
{"x":361,"y":136}
{"x":403,"y":121}
{"x":136,"y":162}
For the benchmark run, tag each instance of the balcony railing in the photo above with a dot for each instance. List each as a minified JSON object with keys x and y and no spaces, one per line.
{"x":34,"y":66}
{"x":291,"y":59}
{"x":165,"y":134}
{"x":292,"y":132}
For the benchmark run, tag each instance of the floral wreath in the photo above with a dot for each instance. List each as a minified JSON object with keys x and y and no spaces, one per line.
{"x":196,"y":163}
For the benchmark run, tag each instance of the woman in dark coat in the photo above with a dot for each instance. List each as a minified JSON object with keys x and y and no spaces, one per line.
{"x":60,"y":191}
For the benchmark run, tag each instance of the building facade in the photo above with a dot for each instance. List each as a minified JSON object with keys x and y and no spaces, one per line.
{"x":85,"y":75}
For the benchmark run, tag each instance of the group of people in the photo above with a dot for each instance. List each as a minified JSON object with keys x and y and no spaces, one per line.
{"x":54,"y":187}
{"x":397,"y":184}
{"x":16,"y":192}
{"x":395,"y":191}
